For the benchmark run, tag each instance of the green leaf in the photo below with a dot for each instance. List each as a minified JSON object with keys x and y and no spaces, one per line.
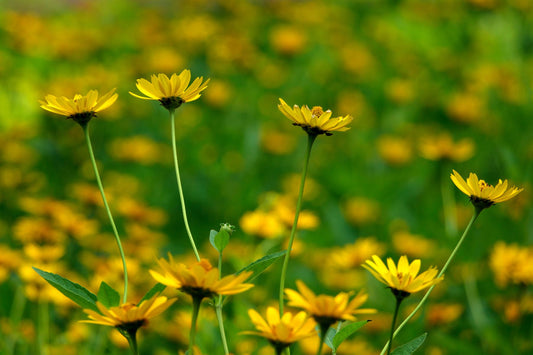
{"x":158,"y":288}
{"x":77,"y":293}
{"x":329,"y":338}
{"x":260,"y":265}
{"x":108,"y":296}
{"x":347,"y":330}
{"x":410,"y":347}
{"x":219,"y":240}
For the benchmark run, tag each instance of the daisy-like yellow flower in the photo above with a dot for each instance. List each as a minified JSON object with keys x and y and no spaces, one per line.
{"x":327,"y":309}
{"x":404,"y":278}
{"x":128,"y":317}
{"x":200,"y":279}
{"x":315,"y":121}
{"x":281,"y":331}
{"x":483,"y":195}
{"x":171,"y":92}
{"x":81,"y":108}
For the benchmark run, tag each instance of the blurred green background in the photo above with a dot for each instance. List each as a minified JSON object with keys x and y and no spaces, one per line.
{"x":432,"y":85}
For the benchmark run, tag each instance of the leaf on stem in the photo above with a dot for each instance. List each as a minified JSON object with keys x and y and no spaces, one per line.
{"x":108,"y":296}
{"x":260,"y":265}
{"x":219,"y":240}
{"x":77,"y":293}
{"x":410,"y":347}
{"x":158,"y":288}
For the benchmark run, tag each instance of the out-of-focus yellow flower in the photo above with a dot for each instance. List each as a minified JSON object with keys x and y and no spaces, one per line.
{"x":171,"y":92}
{"x":361,"y":211}
{"x":37,"y":230}
{"x":403,"y":278}
{"x":412,"y":245}
{"x":443,"y":313}
{"x":276,"y":142}
{"x":81,"y":108}
{"x":137,"y":211}
{"x":285,"y":210}
{"x":262,"y":224}
{"x":44,"y":253}
{"x":139,"y":149}
{"x":128,"y":318}
{"x":315,"y":121}
{"x":466,"y":107}
{"x":201,"y":279}
{"x":219,"y":93}
{"x":511,"y":263}
{"x":281,"y":331}
{"x":354,"y":255}
{"x":442,"y":147}
{"x":325,"y":308}
{"x":395,"y":150}
{"x":483,"y":195}
{"x":288,"y":40}
{"x":9,"y":262}
{"x":400,"y":90}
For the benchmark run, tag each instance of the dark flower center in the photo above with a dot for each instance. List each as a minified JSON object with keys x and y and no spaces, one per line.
{"x":82,"y":118}
{"x":171,"y":103}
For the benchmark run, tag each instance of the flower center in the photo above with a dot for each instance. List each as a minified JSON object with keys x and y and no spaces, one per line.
{"x":483,"y":185}
{"x":317,"y":111}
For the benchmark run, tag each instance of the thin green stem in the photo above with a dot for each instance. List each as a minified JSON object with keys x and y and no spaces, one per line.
{"x":182,"y":200}
{"x":448,"y":204}
{"x":450,"y":258}
{"x":196,"y":302}
{"x":310,"y":140}
{"x":218,"y":310}
{"x":108,"y":210}
{"x":396,"y":309}
{"x":132,"y":341}
{"x":43,"y":322}
{"x":323,"y":331}
{"x":15,"y":315}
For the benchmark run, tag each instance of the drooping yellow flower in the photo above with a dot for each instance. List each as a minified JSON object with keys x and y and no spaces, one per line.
{"x":81,"y":108}
{"x":315,"y":121}
{"x":128,"y":318}
{"x":171,"y":92}
{"x":200,"y":279}
{"x":483,"y":195}
{"x":325,"y":308}
{"x":404,"y":278}
{"x":281,"y":331}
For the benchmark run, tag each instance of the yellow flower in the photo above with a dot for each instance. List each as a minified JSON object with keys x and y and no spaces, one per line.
{"x":201,"y":279}
{"x":281,"y":331}
{"x":81,"y":108}
{"x":327,"y":309}
{"x":483,"y":195}
{"x":315,"y":121}
{"x":128,"y":317}
{"x":171,"y":92}
{"x":403,"y":279}
{"x":442,"y":147}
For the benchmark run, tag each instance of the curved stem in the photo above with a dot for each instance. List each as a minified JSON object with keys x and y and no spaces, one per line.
{"x":310,"y":141}
{"x":196,"y":301}
{"x":182,"y":200}
{"x":218,"y":310}
{"x":450,"y":258}
{"x":108,"y":210}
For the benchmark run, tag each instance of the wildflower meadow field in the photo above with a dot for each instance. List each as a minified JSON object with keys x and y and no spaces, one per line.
{"x":266,"y":177}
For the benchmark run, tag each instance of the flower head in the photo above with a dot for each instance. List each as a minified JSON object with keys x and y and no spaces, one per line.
{"x":404,"y":278}
{"x":171,"y":92}
{"x":483,"y":195}
{"x":200,"y":279}
{"x":282,"y":331}
{"x":315,"y":121}
{"x":81,"y":108}
{"x":327,"y":309}
{"x":128,"y":317}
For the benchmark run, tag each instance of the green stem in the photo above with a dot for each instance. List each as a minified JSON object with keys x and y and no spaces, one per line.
{"x":448,"y":204}
{"x":182,"y":200}
{"x":108,"y":210}
{"x":15,"y":315}
{"x":396,"y":309}
{"x":43,"y":327}
{"x":196,"y":302}
{"x":218,"y":310}
{"x":310,"y":140}
{"x":323,"y":331}
{"x":132,"y":341}
{"x":450,"y":258}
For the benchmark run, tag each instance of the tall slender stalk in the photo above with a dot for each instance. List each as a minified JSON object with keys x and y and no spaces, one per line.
{"x":310,"y":140}
{"x":396,"y":309}
{"x":196,"y":302}
{"x":218,"y":310}
{"x":176,"y":167}
{"x":450,"y":258}
{"x":108,"y":210}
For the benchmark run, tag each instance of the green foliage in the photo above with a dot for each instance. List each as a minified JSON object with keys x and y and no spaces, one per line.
{"x":260,"y":265}
{"x":410,"y":347}
{"x":335,"y":338}
{"x":108,"y":296}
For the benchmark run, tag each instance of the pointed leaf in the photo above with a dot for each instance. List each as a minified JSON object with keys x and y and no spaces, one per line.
{"x":158,"y":288}
{"x":77,"y":293}
{"x":329,"y":338}
{"x":347,"y":330}
{"x":261,"y":264}
{"x":212,"y":235}
{"x":108,"y":296}
{"x":410,"y":347}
